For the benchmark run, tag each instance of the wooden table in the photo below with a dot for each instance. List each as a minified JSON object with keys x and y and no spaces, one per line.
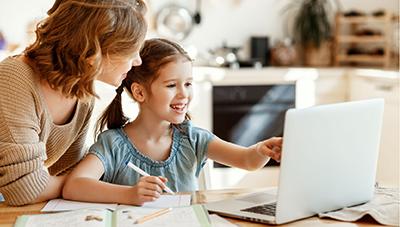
{"x":8,"y":215}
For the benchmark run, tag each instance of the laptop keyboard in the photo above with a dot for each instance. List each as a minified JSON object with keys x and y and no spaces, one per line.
{"x":266,"y":209}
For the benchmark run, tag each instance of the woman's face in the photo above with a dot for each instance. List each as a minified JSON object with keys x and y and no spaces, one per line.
{"x":115,"y":71}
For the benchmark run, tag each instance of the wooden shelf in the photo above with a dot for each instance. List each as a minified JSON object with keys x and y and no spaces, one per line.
{"x":361,"y":58}
{"x":363,"y":19}
{"x":355,"y":41}
{"x":361,"y":39}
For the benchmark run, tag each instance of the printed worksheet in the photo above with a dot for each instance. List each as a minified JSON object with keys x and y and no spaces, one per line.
{"x":87,"y":218}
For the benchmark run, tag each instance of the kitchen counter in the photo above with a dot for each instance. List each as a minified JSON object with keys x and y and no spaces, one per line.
{"x":217,"y":75}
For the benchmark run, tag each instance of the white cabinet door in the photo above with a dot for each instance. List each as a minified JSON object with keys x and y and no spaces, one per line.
{"x":366,"y":87}
{"x":331,"y":86}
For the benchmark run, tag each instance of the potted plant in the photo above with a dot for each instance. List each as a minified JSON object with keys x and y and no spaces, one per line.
{"x":312,"y":27}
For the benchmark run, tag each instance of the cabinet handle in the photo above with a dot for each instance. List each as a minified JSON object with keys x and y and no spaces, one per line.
{"x":383,"y":87}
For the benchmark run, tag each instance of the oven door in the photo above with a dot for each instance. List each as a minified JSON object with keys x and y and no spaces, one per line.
{"x":245,"y":115}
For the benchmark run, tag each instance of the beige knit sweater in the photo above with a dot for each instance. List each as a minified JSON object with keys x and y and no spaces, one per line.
{"x":31,"y":146}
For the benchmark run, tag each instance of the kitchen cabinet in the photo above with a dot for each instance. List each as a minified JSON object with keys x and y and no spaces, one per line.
{"x":367,"y":84}
{"x":331,"y":86}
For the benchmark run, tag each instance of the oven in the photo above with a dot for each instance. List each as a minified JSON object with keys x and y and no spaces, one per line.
{"x":245,"y":115}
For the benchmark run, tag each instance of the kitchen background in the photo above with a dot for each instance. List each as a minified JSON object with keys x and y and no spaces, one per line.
{"x":231,"y":21}
{"x":234,"y":23}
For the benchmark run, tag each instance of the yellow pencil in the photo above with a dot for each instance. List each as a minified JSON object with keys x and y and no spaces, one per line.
{"x":140,"y":220}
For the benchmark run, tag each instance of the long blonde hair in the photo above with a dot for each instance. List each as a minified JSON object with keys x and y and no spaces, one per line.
{"x":73,"y":42}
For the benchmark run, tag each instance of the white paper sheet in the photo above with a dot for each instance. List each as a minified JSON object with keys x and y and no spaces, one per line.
{"x":170,"y":201}
{"x":58,"y":205}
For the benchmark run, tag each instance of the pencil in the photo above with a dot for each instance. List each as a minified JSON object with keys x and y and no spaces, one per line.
{"x":140,"y":220}
{"x":143,"y":173}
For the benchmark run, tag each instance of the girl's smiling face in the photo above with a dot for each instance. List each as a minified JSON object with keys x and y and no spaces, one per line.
{"x":171,"y":92}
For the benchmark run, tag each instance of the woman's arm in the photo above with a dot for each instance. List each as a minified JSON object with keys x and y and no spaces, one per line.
{"x":52,"y":190}
{"x":30,"y":149}
{"x":84,"y":185}
{"x":250,"y":158}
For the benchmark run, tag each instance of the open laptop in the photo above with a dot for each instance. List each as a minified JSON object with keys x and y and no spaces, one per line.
{"x":329,"y":159}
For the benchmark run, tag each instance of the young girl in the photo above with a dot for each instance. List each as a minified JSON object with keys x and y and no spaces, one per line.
{"x":161,"y":140}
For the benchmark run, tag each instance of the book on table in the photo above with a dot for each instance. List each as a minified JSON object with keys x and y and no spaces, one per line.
{"x":183,"y":216}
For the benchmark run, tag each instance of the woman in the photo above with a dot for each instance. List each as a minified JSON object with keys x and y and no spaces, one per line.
{"x":47,"y":93}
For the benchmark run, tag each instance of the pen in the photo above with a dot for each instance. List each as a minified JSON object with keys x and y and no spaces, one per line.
{"x":143,"y":173}
{"x":140,"y":220}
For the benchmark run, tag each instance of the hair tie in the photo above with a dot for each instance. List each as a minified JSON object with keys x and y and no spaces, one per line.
{"x":120,"y":89}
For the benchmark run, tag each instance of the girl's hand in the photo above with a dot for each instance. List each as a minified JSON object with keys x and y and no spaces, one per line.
{"x":148,"y":189}
{"x":271,"y":147}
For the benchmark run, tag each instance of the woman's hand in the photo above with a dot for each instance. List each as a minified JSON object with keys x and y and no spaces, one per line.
{"x":148,"y":189}
{"x":271,"y":147}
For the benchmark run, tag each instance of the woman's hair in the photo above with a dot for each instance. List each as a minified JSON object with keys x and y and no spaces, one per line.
{"x":76,"y":38}
{"x":156,"y":54}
